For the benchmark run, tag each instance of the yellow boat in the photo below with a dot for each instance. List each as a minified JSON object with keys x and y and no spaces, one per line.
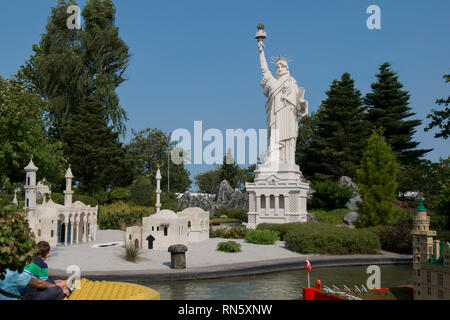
{"x":106,"y":290}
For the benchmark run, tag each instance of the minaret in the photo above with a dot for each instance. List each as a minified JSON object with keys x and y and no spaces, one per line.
{"x":68,"y":192}
{"x":15,"y":202}
{"x":158,"y":190}
{"x":422,"y":240}
{"x":30,"y":185}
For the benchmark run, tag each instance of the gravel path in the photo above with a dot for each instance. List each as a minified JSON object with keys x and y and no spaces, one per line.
{"x":201,"y":254}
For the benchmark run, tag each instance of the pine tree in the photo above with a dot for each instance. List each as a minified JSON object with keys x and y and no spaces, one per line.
{"x":338,"y":133}
{"x":97,"y":157}
{"x":440,"y":118}
{"x":389,"y":109}
{"x":229,"y":170}
{"x":376,"y":179}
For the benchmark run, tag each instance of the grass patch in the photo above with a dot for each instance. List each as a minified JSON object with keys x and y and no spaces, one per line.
{"x":335,"y":216}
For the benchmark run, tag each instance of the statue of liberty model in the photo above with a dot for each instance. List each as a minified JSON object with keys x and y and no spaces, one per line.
{"x":279,"y":192}
{"x":285,"y":103}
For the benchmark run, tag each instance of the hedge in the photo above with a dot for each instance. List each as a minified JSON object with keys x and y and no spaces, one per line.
{"x":229,"y":246}
{"x":261,"y":236}
{"x":228,"y":232}
{"x":120,"y":214}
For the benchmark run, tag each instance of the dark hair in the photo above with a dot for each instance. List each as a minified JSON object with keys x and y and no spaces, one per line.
{"x":43,"y":248}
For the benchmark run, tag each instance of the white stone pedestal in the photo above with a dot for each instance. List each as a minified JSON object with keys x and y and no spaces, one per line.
{"x":278,"y":195}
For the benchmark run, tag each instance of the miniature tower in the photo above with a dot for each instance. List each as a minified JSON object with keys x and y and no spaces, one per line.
{"x":422,"y":239}
{"x":68,"y":192}
{"x":158,"y":190}
{"x":15,"y":202}
{"x":30,"y":185}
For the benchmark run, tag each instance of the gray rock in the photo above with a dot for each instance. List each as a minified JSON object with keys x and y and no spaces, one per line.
{"x":345,"y":181}
{"x":350,"y":218}
{"x":311,"y":217}
{"x":188,"y":200}
{"x":351,"y":204}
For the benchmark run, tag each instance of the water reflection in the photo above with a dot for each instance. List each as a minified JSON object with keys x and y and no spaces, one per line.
{"x":276,"y":286}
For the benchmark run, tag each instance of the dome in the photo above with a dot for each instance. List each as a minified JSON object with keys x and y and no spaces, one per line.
{"x":193,"y":210}
{"x":166,"y":214}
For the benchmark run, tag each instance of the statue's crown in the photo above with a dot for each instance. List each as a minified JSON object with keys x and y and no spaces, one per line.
{"x":278,"y":58}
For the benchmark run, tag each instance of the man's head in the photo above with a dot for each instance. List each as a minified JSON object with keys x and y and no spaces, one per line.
{"x":282,"y":67}
{"x":43,"y":249}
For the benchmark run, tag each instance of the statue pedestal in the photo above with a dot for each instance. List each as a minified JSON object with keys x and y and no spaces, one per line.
{"x":278,"y":195}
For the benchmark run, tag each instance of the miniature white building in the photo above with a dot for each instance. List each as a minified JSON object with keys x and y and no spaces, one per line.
{"x":67,"y":224}
{"x":198,"y":223}
{"x":165,"y":228}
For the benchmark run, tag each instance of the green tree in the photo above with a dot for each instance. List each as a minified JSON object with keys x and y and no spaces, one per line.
{"x":389,"y":108}
{"x":17,"y":246}
{"x":440,"y":117}
{"x":208,"y":182}
{"x":69,"y":65}
{"x":98,"y":159}
{"x":150,"y":147}
{"x":23,"y":135}
{"x":376,"y":179}
{"x":340,"y":132}
{"x":305,"y":155}
{"x":229,"y":170}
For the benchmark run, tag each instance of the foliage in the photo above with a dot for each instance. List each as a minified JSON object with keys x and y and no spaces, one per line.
{"x":169,"y":201}
{"x":208,"y":182}
{"x":440,"y":117}
{"x":376,"y":179}
{"x":240,"y":214}
{"x":115,"y":215}
{"x":223,"y":220}
{"x":331,"y":144}
{"x":396,"y":238}
{"x":119,"y":194}
{"x":131,"y":252}
{"x":389,"y":108}
{"x":280,"y":228}
{"x":229,"y":246}
{"x":328,"y":239}
{"x":142,"y":192}
{"x":229,"y":170}
{"x":151,"y":147}
{"x":86,"y":199}
{"x":228,"y":232}
{"x":262,"y":236}
{"x":97,"y":157}
{"x":443,"y":203}
{"x":23,"y":135}
{"x":17,"y":245}
{"x":331,"y":216}
{"x":69,"y":65}
{"x":329,"y":195}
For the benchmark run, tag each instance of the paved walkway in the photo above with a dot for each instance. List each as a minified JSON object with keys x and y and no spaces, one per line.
{"x":203,"y":260}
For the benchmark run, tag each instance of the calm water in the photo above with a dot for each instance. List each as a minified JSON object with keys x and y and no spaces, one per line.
{"x":279,"y":285}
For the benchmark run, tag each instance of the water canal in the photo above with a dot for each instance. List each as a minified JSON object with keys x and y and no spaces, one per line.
{"x":285,"y":285}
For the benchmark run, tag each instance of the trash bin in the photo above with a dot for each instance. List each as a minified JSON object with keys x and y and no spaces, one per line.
{"x":178,"y":256}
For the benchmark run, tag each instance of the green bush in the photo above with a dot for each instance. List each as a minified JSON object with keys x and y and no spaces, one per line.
{"x":229,"y":246}
{"x":228,"y":232}
{"x":17,"y":245}
{"x":120,"y":214}
{"x":331,"y":216}
{"x":396,"y":238}
{"x":142,"y":193}
{"x":240,"y":214}
{"x":281,"y":229}
{"x":87,"y":200}
{"x":262,"y":236}
{"x":329,"y":239}
{"x":119,"y":194}
{"x":329,"y":195}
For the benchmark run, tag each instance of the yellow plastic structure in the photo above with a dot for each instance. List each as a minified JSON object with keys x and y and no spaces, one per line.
{"x":105,"y":290}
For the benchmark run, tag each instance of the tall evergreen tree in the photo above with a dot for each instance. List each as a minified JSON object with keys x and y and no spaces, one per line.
{"x":69,"y":64}
{"x":97,"y":157}
{"x":376,"y":179}
{"x":440,"y":118}
{"x":229,"y":170}
{"x":389,"y":108}
{"x":337,"y":137}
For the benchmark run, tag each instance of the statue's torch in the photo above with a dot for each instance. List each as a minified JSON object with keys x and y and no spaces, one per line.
{"x":261,"y":34}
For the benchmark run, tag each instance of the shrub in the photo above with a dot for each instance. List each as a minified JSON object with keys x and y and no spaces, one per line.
{"x":281,"y":229}
{"x":329,"y":195}
{"x":332,"y":216}
{"x":240,"y":214}
{"x":87,"y":200}
{"x":396,"y":238}
{"x":119,"y":194}
{"x":261,"y":236}
{"x":17,"y":246}
{"x":113,"y":216}
{"x":228,"y":232}
{"x":330,"y":239}
{"x":142,"y":193}
{"x":223,"y":220}
{"x":229,"y":246}
{"x":131,"y":252}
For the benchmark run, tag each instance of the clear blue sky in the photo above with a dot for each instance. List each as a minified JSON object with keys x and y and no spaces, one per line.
{"x":198,"y":60}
